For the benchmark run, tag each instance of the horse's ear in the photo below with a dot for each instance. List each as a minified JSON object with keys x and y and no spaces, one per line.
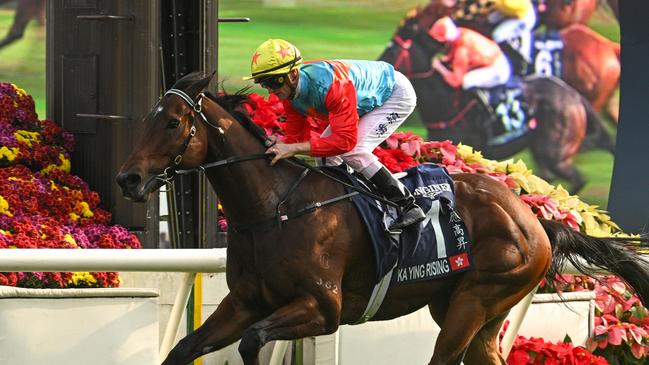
{"x":205,"y":81}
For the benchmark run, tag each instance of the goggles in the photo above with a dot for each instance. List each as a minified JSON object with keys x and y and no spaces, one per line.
{"x":273,"y":82}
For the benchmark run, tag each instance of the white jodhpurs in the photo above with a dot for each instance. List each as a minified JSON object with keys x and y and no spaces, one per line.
{"x":514,"y":28}
{"x":490,"y":76}
{"x":376,"y":126}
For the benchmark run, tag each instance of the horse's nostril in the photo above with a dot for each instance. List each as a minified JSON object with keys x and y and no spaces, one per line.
{"x":128,"y":180}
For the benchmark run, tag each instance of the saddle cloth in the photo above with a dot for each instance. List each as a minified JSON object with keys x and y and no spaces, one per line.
{"x":437,"y":247}
{"x":547,"y":53}
{"x":511,"y":118}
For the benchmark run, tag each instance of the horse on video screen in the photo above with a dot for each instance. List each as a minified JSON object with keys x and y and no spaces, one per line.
{"x":26,"y":10}
{"x":591,"y":63}
{"x":561,"y":116}
{"x":308,"y":274}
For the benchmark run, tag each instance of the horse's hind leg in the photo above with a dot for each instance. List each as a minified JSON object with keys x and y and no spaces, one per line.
{"x":558,"y":166}
{"x":222,"y":328}
{"x":300,"y":318}
{"x":484,"y":348}
{"x":465,"y":315}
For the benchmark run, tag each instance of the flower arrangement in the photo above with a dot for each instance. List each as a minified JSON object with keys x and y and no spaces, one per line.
{"x":41,"y":204}
{"x":622,"y":324}
{"x":536,"y":351}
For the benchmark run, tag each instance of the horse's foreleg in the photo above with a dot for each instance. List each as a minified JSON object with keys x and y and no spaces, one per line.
{"x":300,"y":318}
{"x":22,"y":16}
{"x":222,"y":328}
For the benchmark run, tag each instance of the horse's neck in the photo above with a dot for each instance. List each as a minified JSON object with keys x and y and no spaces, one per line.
{"x":439,"y":102}
{"x":248,"y":190}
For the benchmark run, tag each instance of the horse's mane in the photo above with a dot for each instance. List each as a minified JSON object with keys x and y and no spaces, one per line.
{"x":196,"y":82}
{"x":232,"y":103}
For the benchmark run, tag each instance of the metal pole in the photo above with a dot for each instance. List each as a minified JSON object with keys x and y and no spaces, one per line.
{"x":279,"y":350}
{"x":176,"y":314}
{"x":98,"y":260}
{"x":518,"y":314}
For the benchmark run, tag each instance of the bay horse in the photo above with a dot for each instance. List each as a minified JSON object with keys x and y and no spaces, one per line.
{"x":559,"y":14}
{"x":591,"y":63}
{"x":563,"y":117}
{"x":26,"y":10}
{"x":315,"y":272}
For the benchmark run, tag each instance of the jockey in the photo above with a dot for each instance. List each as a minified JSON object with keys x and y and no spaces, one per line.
{"x":362,"y":102}
{"x":475,"y":60}
{"x":515,"y":20}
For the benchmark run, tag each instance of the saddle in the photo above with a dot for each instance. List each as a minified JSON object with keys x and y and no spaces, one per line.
{"x":437,"y":247}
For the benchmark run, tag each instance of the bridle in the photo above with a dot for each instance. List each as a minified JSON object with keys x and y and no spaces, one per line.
{"x":197,"y":107}
{"x":404,"y":57}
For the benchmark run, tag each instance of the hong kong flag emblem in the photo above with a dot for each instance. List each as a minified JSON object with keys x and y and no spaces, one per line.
{"x":460,"y":261}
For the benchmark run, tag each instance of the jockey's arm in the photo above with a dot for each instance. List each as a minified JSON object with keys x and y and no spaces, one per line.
{"x":459,"y":68}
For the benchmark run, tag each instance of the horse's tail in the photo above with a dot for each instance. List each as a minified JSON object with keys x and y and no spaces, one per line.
{"x":596,"y":133}
{"x":611,"y":254}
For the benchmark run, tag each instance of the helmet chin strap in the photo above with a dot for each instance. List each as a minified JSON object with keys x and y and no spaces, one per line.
{"x":293,"y":88}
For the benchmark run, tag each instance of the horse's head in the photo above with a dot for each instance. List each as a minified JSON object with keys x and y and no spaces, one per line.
{"x":411,"y":48}
{"x":173,"y":136}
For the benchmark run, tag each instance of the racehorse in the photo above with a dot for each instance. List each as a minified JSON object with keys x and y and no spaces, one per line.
{"x":558,"y":14}
{"x":308,"y":275}
{"x":591,"y":63}
{"x":562,"y":115}
{"x":25,"y":11}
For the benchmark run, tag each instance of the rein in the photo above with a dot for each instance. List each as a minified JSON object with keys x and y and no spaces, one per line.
{"x":443,"y":124}
{"x":404,"y":57}
{"x":170,"y":172}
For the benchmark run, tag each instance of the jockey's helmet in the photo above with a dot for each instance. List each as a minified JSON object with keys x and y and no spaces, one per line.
{"x":444,"y":30}
{"x":273,"y":57}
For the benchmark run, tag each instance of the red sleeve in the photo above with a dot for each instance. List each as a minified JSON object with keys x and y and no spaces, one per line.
{"x":459,"y":67}
{"x":343,"y":121}
{"x":296,"y":128}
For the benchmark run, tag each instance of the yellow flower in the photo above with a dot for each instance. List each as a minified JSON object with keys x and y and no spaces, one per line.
{"x":20,"y":91}
{"x":85,"y":210}
{"x":65,"y":165}
{"x":27,"y":137}
{"x":8,"y":153}
{"x":74,"y":216}
{"x":6,"y":233}
{"x":4,"y":207}
{"x":82,"y":278}
{"x":68,"y":238}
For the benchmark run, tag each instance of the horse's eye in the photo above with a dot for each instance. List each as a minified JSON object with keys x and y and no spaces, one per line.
{"x":173,"y":123}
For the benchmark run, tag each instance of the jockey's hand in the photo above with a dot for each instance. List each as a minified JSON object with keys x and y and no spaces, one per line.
{"x":270,"y":140}
{"x":438,"y":65}
{"x":286,"y":150}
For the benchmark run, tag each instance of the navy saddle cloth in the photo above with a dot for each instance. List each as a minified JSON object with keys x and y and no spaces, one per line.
{"x":437,"y":247}
{"x":511,"y":118}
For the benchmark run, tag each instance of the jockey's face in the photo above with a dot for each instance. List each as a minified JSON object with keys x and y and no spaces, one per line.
{"x":285,"y":87}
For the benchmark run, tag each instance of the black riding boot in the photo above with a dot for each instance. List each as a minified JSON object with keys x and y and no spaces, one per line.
{"x":519,"y":63}
{"x":396,"y":192}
